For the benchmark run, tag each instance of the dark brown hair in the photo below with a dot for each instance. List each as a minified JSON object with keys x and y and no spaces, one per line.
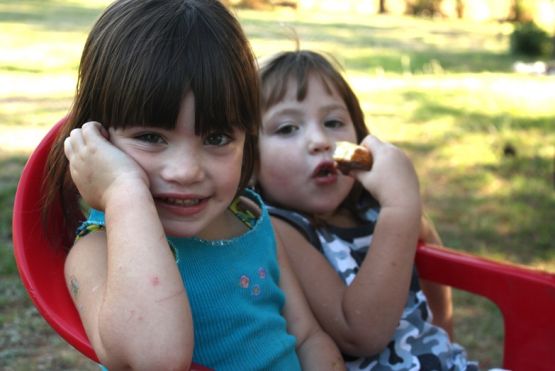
{"x":140,"y":60}
{"x":298,"y":66}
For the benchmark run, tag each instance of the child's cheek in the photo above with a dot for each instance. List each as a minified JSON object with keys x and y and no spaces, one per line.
{"x":277,"y":177}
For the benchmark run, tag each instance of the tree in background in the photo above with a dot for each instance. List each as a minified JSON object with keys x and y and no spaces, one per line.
{"x":459,"y":8}
{"x":382,"y":9}
{"x":428,"y":8}
{"x":530,"y":40}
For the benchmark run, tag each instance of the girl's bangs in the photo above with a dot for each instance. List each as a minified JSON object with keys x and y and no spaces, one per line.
{"x":148,"y":77}
{"x":277,"y":81}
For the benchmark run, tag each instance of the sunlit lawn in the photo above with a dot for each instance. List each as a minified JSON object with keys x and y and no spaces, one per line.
{"x":442,"y":90}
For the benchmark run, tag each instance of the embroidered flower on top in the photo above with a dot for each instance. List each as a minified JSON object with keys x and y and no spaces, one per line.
{"x":262,"y":273}
{"x":244,"y":281}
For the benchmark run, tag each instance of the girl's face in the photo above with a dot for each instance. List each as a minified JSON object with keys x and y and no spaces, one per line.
{"x":193,"y":179}
{"x":296,"y":146}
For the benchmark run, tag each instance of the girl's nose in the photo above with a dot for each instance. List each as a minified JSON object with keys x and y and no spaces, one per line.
{"x":318,"y":141}
{"x":184,"y":168}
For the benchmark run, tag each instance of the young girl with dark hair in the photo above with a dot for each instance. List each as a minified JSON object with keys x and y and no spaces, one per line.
{"x":176,"y":261}
{"x":351,"y":239}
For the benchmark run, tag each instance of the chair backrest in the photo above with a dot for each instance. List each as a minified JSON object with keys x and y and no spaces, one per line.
{"x":525,"y":297}
{"x":40,"y":264}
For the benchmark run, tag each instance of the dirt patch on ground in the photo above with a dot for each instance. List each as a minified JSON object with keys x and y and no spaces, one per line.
{"x":27,"y":341}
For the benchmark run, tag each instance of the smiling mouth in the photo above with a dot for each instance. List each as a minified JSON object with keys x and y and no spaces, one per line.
{"x":181,"y":202}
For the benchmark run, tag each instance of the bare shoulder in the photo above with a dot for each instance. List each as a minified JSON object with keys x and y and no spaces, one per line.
{"x":87,"y":247}
{"x":292,"y":240}
{"x":87,"y":259}
{"x":285,"y":231}
{"x":85,"y":275}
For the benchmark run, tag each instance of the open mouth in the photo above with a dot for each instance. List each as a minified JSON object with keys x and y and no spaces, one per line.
{"x":325,"y":170}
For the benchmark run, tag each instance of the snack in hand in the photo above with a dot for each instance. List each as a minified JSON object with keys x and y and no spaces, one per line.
{"x":350,"y":156}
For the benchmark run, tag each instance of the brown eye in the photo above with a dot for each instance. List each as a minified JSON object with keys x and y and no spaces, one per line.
{"x":217,"y":139}
{"x":333,"y":124}
{"x":286,"y":129}
{"x":150,"y":138}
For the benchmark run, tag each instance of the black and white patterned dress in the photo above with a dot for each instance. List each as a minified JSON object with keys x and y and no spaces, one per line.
{"x":417,"y":344}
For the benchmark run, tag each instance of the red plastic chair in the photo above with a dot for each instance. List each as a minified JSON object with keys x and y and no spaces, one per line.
{"x":41,"y":265}
{"x":525,"y":297}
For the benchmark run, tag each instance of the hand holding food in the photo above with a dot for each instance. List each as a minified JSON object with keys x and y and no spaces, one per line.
{"x":350,"y":156}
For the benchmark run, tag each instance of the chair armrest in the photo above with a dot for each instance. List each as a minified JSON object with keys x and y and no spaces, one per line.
{"x":525,"y":297}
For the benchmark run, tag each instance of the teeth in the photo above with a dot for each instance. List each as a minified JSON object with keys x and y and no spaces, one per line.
{"x":178,"y":202}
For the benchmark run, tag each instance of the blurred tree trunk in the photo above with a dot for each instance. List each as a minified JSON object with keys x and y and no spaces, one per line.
{"x":426,"y":8}
{"x":383,"y":9}
{"x":460,"y":8}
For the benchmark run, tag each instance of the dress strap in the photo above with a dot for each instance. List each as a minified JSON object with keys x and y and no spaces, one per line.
{"x":300,"y":222}
{"x":95,"y":222}
{"x":243,"y":210}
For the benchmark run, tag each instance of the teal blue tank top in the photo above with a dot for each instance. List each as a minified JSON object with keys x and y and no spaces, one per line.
{"x":236,"y":302}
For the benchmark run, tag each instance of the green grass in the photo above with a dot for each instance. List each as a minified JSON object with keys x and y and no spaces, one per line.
{"x":443,"y":90}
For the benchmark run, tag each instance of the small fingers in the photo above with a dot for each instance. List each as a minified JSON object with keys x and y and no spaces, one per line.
{"x":94,"y":129}
{"x":67,"y":147}
{"x":382,"y":149}
{"x":371,"y":141}
{"x":77,"y":138}
{"x":70,"y":154}
{"x":71,"y":142}
{"x":92,"y":125}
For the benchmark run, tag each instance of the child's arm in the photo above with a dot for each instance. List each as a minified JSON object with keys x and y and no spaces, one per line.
{"x":316,"y":350}
{"x":362,"y":317}
{"x":439,"y":296}
{"x":124,"y":281}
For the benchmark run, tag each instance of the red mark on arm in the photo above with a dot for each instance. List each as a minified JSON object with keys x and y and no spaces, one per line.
{"x":155,"y":281}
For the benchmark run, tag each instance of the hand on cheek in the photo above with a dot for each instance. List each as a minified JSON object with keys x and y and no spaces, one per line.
{"x":97,"y":167}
